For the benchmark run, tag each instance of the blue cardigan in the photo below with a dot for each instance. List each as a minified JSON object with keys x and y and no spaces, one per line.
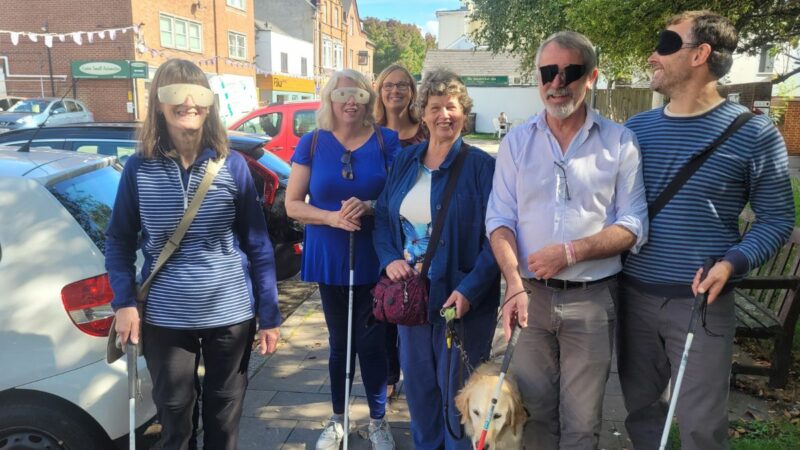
{"x":464,"y":259}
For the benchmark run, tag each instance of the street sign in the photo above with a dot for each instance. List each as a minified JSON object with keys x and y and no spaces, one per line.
{"x":485,"y":80}
{"x":110,"y":70}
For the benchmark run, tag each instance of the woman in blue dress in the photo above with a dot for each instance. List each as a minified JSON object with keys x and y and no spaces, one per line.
{"x":342,"y":168}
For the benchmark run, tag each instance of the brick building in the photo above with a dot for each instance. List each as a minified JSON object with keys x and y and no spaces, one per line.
{"x":219,"y":35}
{"x":791,"y":127}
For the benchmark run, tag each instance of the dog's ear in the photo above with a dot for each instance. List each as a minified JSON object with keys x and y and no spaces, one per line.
{"x":462,"y":404}
{"x":518,"y":415}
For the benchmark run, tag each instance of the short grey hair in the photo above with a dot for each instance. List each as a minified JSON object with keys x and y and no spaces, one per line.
{"x":325,"y":112}
{"x":572,"y":40}
{"x":443,"y":81}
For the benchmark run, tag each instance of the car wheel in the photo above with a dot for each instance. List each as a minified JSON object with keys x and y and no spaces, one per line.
{"x":37,"y":427}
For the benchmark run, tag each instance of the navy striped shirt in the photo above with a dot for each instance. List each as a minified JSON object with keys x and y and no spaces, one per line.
{"x":701,"y":220}
{"x":224,"y":270}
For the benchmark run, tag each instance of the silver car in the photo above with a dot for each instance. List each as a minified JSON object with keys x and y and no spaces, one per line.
{"x":32,"y":112}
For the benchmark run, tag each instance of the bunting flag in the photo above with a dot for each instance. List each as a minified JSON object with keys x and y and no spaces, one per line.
{"x":77,"y":36}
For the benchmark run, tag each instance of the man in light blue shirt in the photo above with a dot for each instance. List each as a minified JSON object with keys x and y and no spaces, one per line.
{"x":567,"y":199}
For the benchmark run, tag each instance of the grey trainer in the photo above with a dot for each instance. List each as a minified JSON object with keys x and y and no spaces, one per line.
{"x":380,"y":435}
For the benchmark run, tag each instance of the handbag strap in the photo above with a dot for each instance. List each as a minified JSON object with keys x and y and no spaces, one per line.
{"x":438,"y":223}
{"x":172,"y":244}
{"x":693,"y":165}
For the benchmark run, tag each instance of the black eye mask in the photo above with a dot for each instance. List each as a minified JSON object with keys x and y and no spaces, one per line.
{"x":572,"y":72}
{"x":670,"y":42}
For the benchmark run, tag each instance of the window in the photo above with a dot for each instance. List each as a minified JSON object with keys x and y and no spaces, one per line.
{"x":335,"y":17}
{"x":304,"y":67}
{"x":70,"y":106}
{"x":337,"y":57}
{"x":304,"y":121}
{"x":269,"y":124}
{"x":181,"y":34}
{"x":363,"y":58}
{"x":350,"y":61}
{"x":238,"y":4}
{"x":327,"y":55}
{"x":284,"y":62}
{"x":324,"y":13}
{"x":766,"y":60}
{"x":58,"y":108}
{"x":237,"y":45}
{"x":350,"y":26}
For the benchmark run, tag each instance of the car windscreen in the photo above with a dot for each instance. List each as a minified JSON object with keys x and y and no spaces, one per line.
{"x":30,"y":106}
{"x":277,"y":165}
{"x":89,"y":198}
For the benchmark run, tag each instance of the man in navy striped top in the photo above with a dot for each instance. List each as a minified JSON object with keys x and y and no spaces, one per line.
{"x":700,"y":221}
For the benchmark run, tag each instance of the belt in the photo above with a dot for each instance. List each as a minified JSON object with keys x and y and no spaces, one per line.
{"x":562,"y":285}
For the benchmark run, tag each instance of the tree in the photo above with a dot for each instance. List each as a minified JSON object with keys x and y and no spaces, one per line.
{"x":397,"y":42}
{"x":626,"y":30}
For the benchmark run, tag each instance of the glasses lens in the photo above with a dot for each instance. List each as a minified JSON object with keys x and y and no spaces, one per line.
{"x":347,"y":170}
{"x":176,"y":94}
{"x":343,"y":95}
{"x":548,"y":73}
{"x":669,"y":42}
{"x":346,"y":157}
{"x":573,"y":72}
{"x":402,"y":86}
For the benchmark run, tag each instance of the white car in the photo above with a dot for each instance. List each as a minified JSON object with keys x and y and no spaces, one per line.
{"x":56,"y":389}
{"x":50,"y":111}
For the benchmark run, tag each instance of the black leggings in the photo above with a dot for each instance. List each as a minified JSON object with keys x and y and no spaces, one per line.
{"x":171,"y":359}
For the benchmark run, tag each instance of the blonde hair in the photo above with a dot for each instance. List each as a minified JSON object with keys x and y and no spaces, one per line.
{"x":325,"y":119}
{"x":380,"y":108}
{"x":153,"y":136}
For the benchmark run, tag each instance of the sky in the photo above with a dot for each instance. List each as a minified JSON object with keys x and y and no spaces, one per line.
{"x":419,"y":12}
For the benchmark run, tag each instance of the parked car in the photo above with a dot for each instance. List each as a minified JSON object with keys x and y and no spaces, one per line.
{"x":8,"y":101}
{"x":56,"y":389}
{"x":32,"y":112}
{"x":285,"y":123}
{"x":270,"y":173}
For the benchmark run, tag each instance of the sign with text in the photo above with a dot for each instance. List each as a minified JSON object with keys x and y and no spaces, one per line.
{"x":109,"y":70}
{"x":485,"y":80}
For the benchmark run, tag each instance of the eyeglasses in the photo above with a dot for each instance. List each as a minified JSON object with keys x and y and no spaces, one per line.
{"x":347,"y":170}
{"x":670,"y":42}
{"x":562,"y":176}
{"x":401,"y":86}
{"x":343,"y":95}
{"x":572,"y":72}
{"x":176,"y":94}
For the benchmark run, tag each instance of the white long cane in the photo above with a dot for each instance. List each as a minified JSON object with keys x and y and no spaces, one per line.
{"x":349,"y":343}
{"x":699,"y":299}
{"x":132,"y":355}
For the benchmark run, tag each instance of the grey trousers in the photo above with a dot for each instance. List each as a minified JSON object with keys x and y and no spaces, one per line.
{"x":561,"y":364}
{"x":651,"y":341}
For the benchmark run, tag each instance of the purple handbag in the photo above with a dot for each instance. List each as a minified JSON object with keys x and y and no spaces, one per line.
{"x":406,"y":302}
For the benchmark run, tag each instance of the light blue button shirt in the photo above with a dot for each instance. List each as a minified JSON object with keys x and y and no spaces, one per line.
{"x":600,"y":185}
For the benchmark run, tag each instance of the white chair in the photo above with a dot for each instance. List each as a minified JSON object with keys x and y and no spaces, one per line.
{"x":499,"y":130}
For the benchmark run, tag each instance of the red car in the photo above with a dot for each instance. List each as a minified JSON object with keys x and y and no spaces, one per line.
{"x":285,"y":123}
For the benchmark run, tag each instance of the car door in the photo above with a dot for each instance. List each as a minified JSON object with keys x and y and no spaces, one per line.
{"x":57,"y":114}
{"x":271,"y":124}
{"x":303,"y":121}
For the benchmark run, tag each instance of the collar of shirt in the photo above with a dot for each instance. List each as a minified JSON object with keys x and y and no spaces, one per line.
{"x":592,"y":120}
{"x":419,"y":154}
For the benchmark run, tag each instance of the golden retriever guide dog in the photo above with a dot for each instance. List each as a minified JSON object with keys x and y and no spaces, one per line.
{"x":473,"y":401}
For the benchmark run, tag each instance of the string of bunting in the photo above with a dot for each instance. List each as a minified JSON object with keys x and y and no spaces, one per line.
{"x":76,"y":36}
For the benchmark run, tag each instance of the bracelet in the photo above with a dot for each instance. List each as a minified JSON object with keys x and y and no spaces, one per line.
{"x":569,"y":251}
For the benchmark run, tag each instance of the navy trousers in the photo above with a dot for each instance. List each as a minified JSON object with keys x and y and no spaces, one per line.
{"x":423,"y":358}
{"x":368,"y":343}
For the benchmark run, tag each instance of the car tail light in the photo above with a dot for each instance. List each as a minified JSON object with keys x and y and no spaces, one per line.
{"x":298,"y":249}
{"x":270,"y":179}
{"x":88,"y":303}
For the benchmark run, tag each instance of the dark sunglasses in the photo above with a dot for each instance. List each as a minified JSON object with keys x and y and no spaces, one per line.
{"x":347,"y":170}
{"x":670,"y":42}
{"x":572,"y":72}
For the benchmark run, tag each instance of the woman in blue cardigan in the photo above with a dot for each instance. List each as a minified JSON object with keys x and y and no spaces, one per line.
{"x":463,"y":273}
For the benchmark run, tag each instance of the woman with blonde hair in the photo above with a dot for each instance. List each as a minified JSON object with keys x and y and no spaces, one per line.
{"x":342,"y":167}
{"x":218,"y":286}
{"x":396,"y":108}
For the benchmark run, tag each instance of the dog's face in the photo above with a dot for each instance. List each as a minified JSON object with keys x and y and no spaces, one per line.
{"x":473,"y":402}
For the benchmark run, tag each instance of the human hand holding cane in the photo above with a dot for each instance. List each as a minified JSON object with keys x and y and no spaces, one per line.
{"x":697,"y":309}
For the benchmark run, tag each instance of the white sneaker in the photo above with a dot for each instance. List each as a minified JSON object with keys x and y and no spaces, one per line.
{"x":331,"y":437}
{"x":381,"y":435}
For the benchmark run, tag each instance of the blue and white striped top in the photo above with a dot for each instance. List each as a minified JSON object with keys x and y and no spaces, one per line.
{"x":701,"y":220}
{"x":224,"y":270}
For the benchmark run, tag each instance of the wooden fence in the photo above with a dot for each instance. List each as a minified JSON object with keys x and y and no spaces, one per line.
{"x":621,"y":103}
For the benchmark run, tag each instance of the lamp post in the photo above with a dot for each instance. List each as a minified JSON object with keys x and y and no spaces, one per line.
{"x":50,"y":64}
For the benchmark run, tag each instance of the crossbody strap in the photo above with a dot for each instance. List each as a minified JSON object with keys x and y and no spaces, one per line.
{"x":438,"y":223}
{"x":172,"y":244}
{"x":693,"y":165}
